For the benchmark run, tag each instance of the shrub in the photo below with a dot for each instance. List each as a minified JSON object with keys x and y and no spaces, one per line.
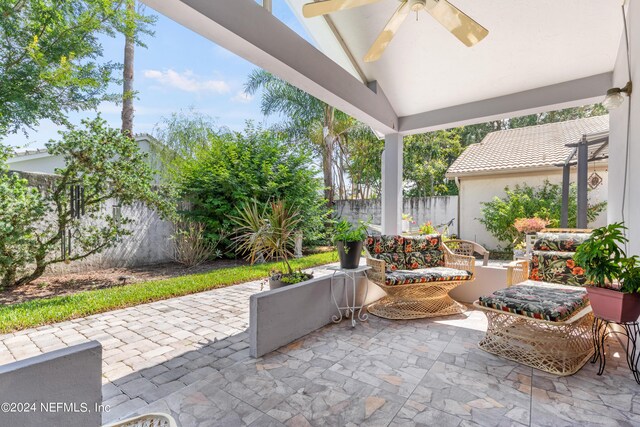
{"x":236,"y":168}
{"x":190,"y":247}
{"x":267,"y":233}
{"x":524,"y":201}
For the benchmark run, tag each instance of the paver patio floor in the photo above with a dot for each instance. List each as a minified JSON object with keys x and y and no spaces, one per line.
{"x":189,"y":356}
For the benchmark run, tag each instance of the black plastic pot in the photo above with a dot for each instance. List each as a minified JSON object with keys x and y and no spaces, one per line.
{"x":349,"y":253}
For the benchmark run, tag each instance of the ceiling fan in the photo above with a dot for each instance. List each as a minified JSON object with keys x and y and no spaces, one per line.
{"x":455,"y":21}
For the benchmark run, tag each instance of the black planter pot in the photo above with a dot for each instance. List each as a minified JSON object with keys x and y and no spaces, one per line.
{"x":349,"y":253}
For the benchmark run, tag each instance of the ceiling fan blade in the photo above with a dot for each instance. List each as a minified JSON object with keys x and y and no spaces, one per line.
{"x":456,"y":22}
{"x":310,"y":10}
{"x":387,"y":33}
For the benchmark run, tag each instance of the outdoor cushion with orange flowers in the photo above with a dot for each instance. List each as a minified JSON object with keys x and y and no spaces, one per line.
{"x":546,"y":301}
{"x":384,"y":244}
{"x":425,"y":259}
{"x":427,"y":275}
{"x":556,"y":267}
{"x":561,"y":242}
{"x":429,"y":242}
{"x":406,"y":253}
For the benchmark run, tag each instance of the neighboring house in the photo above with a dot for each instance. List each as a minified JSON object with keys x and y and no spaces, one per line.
{"x":40,"y":161}
{"x":517,"y":156}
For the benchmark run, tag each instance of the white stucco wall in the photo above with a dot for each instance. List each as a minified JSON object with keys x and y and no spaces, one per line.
{"x":45,"y":163}
{"x":476,"y":190}
{"x":439,"y":210}
{"x":618,"y":137}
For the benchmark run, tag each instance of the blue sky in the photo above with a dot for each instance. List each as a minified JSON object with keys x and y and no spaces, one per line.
{"x":178,"y":70}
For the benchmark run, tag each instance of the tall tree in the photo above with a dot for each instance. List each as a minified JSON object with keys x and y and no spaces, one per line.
{"x":307,"y":119}
{"x":426,"y":160}
{"x":127,"y":75}
{"x":50,"y":58}
{"x":136,"y":24}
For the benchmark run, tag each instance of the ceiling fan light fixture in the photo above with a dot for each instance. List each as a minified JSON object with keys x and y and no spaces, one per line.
{"x":615,"y":96}
{"x":417,"y":5}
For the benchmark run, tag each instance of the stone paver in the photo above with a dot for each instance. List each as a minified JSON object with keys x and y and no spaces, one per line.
{"x":189,"y":356}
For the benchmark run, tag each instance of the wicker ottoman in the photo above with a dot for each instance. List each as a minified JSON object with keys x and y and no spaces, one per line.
{"x":543,"y":325}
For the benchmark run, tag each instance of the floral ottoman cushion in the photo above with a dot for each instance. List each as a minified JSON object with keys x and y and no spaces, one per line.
{"x":538,"y":300}
{"x":426,"y":275}
{"x":556,"y":267}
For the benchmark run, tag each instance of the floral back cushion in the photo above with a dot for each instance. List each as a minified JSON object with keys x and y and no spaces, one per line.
{"x":430,"y":242}
{"x":384,"y":244}
{"x":425,"y":259}
{"x":560,"y":242}
{"x":393,"y":260}
{"x":556,"y":267}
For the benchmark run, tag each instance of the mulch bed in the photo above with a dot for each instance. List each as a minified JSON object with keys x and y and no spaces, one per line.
{"x":67,"y":284}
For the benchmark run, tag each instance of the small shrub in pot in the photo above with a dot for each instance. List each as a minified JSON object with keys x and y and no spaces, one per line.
{"x":348,"y":239}
{"x":615,"y":278}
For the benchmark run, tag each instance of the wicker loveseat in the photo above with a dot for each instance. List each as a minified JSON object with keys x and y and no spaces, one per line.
{"x":543,"y":318}
{"x":417,"y":274}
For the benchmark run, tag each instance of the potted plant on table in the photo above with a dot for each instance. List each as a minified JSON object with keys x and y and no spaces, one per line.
{"x":527,"y":229}
{"x":407,"y":220}
{"x":348,"y":239}
{"x":269,"y":233}
{"x":614,"y":277}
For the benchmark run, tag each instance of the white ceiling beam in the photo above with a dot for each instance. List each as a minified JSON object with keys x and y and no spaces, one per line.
{"x":573,"y":93}
{"x":248,"y":30}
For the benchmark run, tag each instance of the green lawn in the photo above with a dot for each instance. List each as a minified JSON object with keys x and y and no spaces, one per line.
{"x":57,"y":309}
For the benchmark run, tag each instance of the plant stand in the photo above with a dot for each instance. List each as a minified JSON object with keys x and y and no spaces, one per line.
{"x":600,"y":332}
{"x":349,"y":310}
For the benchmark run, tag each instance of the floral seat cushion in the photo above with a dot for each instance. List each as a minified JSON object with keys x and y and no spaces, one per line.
{"x":426,"y":275}
{"x":538,"y":300}
{"x":556,"y":267}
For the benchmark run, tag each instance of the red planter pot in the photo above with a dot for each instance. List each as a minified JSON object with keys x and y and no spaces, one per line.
{"x":613,"y":305}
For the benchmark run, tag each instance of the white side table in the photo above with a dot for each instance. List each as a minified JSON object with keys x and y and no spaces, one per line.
{"x":349,"y":310}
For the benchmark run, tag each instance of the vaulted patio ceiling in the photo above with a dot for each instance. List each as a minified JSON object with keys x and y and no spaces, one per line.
{"x":539,"y":55}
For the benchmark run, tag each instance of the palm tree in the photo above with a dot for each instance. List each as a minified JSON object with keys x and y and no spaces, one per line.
{"x":136,"y":24}
{"x":127,"y":74}
{"x":308,"y":119}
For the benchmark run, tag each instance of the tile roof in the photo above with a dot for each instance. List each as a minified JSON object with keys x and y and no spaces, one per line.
{"x":530,"y":147}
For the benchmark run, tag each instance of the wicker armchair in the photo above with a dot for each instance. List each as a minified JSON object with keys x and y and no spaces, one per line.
{"x":147,"y":420}
{"x":416,"y":276}
{"x":543,"y":318}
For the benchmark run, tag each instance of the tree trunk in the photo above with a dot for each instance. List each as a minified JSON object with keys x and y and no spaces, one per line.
{"x":127,"y":76}
{"x":327,"y":169}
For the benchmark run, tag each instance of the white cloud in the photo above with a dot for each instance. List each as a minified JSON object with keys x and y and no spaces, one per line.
{"x":187,"y":81}
{"x":242,"y":97}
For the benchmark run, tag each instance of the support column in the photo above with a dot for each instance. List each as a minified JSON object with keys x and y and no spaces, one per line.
{"x":392,"y":184}
{"x":583,"y":170}
{"x":566,"y":182}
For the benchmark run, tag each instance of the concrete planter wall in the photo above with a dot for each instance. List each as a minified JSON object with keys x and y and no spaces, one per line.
{"x":281,"y":316}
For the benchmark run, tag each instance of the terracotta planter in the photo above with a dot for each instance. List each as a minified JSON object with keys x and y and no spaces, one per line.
{"x":349,"y":253}
{"x":613,"y":305}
